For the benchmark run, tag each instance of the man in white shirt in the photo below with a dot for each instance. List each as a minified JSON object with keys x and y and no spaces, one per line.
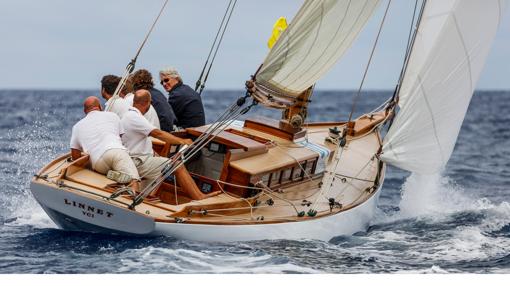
{"x":121,"y":105}
{"x":136,"y":139}
{"x":151,"y":114}
{"x":98,"y":135}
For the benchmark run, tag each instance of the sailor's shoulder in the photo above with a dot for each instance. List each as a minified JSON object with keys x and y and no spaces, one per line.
{"x":156,"y":94}
{"x":188,"y":90}
{"x":109,"y":115}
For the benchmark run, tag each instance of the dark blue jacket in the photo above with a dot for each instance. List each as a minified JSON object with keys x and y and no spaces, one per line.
{"x":166,"y":115}
{"x":187,"y":106}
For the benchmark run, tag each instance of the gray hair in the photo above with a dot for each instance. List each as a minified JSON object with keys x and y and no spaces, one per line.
{"x":171,"y":72}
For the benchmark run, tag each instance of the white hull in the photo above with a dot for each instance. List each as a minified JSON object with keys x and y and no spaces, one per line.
{"x":325,"y":228}
{"x":126,"y":222}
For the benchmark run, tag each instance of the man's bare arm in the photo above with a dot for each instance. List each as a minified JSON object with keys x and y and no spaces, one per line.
{"x":169,"y":138}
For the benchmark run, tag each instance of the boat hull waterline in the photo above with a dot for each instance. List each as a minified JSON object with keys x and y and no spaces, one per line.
{"x":73,"y":212}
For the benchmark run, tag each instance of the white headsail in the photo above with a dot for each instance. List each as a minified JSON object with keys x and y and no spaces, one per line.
{"x":317,"y":37}
{"x":448,"y":55}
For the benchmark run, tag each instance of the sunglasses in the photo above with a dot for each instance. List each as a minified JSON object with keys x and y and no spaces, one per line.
{"x":164,"y":81}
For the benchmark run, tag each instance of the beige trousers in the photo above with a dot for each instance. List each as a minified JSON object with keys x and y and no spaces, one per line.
{"x":117,"y":160}
{"x":149,"y":167}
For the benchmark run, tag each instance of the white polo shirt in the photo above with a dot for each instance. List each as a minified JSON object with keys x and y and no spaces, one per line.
{"x":136,"y":133}
{"x":97,"y":133}
{"x":119,"y":107}
{"x":151,"y":114}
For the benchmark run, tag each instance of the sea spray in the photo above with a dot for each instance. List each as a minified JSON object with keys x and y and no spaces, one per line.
{"x":32,"y":145}
{"x":424,"y":195}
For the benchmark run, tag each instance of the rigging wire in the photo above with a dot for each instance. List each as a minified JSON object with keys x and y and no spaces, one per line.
{"x":200,"y":84}
{"x":212,"y":47}
{"x":180,"y":158}
{"x":369,"y":62}
{"x":131,"y":65}
{"x":410,"y":44}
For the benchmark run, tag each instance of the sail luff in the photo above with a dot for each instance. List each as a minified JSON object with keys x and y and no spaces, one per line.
{"x":446,"y":61}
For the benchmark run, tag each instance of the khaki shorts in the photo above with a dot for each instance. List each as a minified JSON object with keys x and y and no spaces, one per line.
{"x":117,"y":160}
{"x":149,"y":167}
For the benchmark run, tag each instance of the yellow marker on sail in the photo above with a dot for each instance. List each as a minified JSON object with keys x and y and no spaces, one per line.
{"x":279,"y":26}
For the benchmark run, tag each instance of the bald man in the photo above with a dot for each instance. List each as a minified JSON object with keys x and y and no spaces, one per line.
{"x":136,"y":139}
{"x":98,"y":135}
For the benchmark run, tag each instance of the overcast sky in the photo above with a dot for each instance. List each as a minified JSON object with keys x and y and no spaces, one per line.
{"x":71,"y":44}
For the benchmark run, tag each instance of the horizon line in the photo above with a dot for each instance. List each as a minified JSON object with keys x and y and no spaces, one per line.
{"x":230,"y":89}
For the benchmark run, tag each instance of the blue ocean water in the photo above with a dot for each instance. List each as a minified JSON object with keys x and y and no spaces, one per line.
{"x":458,"y":222}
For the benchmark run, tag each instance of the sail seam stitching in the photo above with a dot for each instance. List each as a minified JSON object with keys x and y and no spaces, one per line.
{"x":311,"y":46}
{"x":329,"y":44}
{"x":429,"y":109}
{"x":465,"y":51}
{"x":341,"y":44}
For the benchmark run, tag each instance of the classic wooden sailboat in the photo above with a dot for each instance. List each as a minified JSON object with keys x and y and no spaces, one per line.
{"x":289,"y":179}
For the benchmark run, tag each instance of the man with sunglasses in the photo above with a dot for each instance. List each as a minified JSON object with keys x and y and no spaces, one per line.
{"x":186,"y":103}
{"x":142,"y":79}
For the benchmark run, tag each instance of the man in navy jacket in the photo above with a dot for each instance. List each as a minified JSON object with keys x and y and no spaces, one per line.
{"x":142,"y":79}
{"x":185,"y":102}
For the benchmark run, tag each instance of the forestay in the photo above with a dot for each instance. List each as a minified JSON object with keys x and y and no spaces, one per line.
{"x":317,"y":37}
{"x":450,"y":49}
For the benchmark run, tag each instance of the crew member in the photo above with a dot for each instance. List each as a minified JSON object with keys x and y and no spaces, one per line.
{"x":98,"y":134}
{"x":136,"y":139}
{"x":125,"y":100}
{"x":109,"y":84}
{"x":142,"y":79}
{"x":185,"y":102}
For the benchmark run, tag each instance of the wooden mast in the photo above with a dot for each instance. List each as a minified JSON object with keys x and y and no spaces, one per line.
{"x":296,"y":114}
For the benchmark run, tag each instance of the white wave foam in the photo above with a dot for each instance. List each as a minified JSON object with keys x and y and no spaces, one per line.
{"x":206,"y":261}
{"x":426,"y":195}
{"x":33,"y":147}
{"x":31,"y":214}
{"x":432,"y":270}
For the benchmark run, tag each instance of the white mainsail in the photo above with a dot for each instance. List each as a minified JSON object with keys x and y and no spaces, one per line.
{"x":450,"y":49}
{"x":317,"y":37}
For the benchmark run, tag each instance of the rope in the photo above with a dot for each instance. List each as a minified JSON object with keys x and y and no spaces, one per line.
{"x":369,"y":61}
{"x":350,"y":184}
{"x":201,"y":84}
{"x":410,"y":41}
{"x":337,"y":158}
{"x":395,"y":97}
{"x":248,"y":202}
{"x":197,"y":145}
{"x":296,"y":160}
{"x":57,"y":167}
{"x":131,"y":66}
{"x":271,"y":193}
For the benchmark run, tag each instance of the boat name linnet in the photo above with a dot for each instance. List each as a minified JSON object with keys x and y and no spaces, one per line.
{"x":89,"y":211}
